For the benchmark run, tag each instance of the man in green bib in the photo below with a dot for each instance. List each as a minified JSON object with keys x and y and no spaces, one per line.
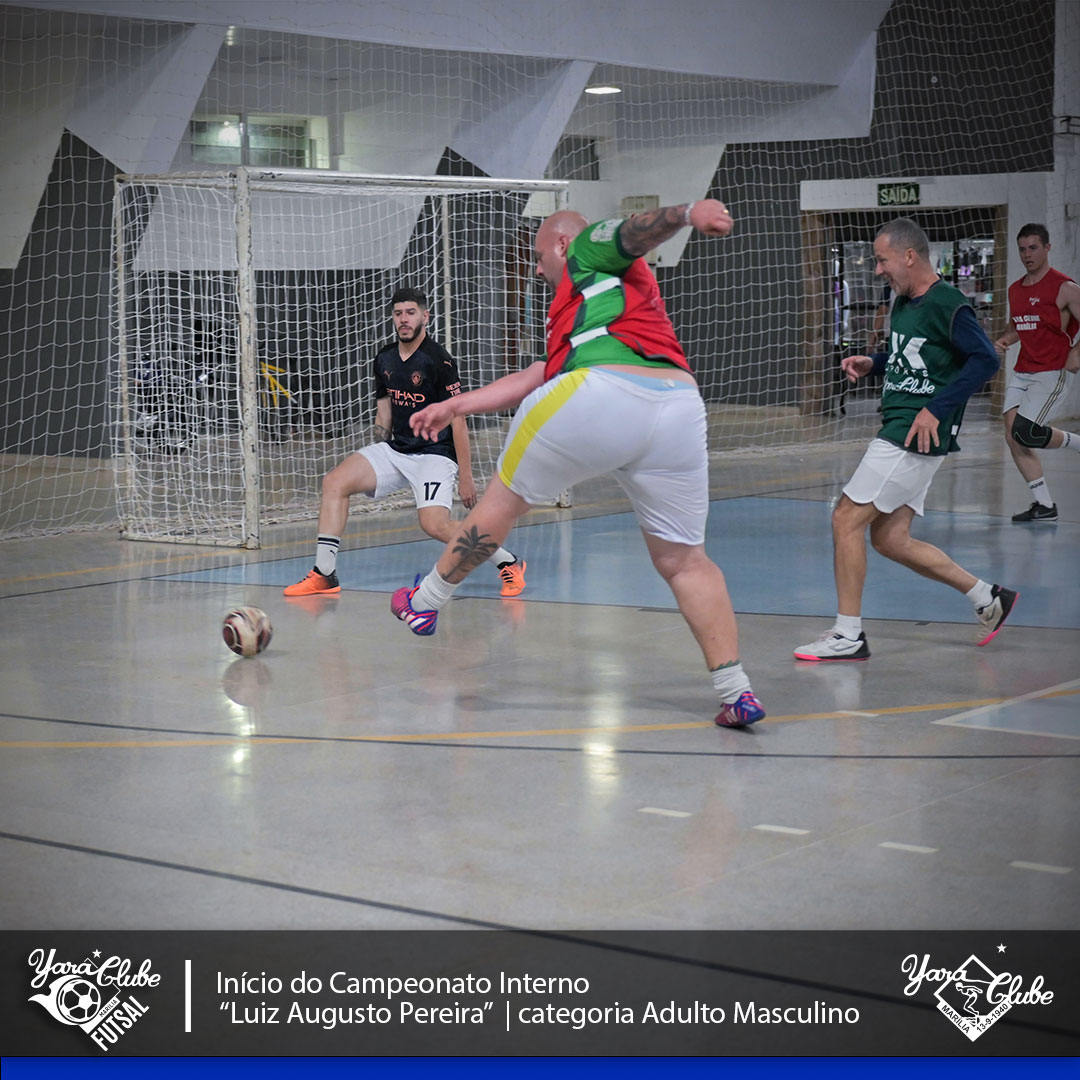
{"x":938,"y":356}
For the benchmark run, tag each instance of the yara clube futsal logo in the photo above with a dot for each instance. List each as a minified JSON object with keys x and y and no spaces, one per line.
{"x":972,"y":996}
{"x":94,"y":994}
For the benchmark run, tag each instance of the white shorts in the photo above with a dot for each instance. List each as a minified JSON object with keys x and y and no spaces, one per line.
{"x":431,"y":476}
{"x":648,"y":433}
{"x":890,"y":477}
{"x":1037,"y":394}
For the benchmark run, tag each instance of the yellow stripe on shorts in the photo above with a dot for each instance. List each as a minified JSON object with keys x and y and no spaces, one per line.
{"x":535,"y":419}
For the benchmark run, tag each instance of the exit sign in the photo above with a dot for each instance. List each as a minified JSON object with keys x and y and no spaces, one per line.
{"x":898,"y":194}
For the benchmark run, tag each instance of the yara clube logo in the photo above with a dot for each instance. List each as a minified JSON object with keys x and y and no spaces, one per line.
{"x":972,"y":996}
{"x":90,"y":994}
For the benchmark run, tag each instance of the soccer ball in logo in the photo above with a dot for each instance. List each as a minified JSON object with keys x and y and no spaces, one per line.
{"x":79,"y":1001}
{"x":247,"y":631}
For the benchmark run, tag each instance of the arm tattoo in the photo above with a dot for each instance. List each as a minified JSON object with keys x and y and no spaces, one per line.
{"x":472,"y":548}
{"x":382,"y":434}
{"x":643,"y":232}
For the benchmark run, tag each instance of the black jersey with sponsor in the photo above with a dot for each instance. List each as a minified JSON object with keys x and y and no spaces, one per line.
{"x":429,"y":375}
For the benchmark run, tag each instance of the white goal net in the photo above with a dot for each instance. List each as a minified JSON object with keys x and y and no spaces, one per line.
{"x":249,"y":307}
{"x":961,"y":112}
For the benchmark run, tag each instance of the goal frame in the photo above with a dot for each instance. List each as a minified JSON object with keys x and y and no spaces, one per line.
{"x":241,"y":183}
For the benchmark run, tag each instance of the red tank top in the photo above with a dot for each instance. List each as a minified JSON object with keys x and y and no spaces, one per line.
{"x":1034,"y":312}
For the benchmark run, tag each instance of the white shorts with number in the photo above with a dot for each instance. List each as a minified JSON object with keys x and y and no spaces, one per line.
{"x":890,"y":477}
{"x":1037,"y":394}
{"x":648,"y":433}
{"x":431,"y":476}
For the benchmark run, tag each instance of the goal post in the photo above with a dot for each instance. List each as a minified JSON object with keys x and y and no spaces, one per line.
{"x":249,"y":305}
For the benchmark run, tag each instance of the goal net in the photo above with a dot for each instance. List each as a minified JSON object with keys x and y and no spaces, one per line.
{"x":249,"y":307}
{"x":958,"y":112}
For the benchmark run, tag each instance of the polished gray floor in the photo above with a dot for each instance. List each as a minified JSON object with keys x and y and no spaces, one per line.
{"x":550,"y":761}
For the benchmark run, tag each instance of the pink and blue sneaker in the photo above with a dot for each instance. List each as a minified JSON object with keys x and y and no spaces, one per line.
{"x":744,"y":712}
{"x":419,"y":622}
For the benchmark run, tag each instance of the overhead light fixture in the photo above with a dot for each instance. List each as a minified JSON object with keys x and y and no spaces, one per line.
{"x":603,"y":90}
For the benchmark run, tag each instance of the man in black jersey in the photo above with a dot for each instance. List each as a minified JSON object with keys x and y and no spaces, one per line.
{"x":410,"y":372}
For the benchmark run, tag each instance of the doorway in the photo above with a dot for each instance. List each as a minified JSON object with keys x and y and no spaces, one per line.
{"x":846,"y":305}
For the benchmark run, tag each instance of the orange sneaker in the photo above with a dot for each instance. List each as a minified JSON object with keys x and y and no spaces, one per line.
{"x":513,"y":578}
{"x":314,"y":583}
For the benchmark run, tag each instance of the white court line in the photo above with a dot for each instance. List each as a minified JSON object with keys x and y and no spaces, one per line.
{"x":919,"y":850}
{"x":1046,"y":868}
{"x":783,"y":829}
{"x":960,"y":719}
{"x":664,"y":813}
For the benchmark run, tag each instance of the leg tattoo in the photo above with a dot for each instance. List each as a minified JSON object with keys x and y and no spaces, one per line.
{"x":472,"y":548}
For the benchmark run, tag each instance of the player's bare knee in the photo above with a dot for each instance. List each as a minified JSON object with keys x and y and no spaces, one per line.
{"x":436,"y":523}
{"x":846,"y":517}
{"x":331,"y":486}
{"x":673,"y":561}
{"x":336,"y":488}
{"x":665,"y":566}
{"x":885,"y":543}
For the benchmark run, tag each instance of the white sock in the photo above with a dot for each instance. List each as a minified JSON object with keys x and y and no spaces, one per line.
{"x":1040,"y":492}
{"x":433,"y":592}
{"x":1072,"y":441}
{"x":730,"y":681}
{"x":326,"y":550}
{"x":980,"y":594}
{"x":849,"y":625}
{"x":502,"y":556}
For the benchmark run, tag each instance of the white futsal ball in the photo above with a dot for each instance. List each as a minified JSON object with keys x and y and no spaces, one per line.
{"x":247,"y":630}
{"x":78,"y":1000}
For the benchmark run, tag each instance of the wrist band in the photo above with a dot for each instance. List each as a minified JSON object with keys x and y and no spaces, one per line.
{"x":686,"y":213}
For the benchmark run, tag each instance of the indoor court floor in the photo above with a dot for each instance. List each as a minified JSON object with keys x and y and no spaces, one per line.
{"x":549,"y":762}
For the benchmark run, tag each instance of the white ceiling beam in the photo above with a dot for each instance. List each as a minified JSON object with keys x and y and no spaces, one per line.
{"x":808,"y":41}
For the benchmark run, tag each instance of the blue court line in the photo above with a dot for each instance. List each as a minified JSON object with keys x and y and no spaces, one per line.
{"x":1059,"y":717}
{"x":1053,"y":712}
{"x":776,"y":554}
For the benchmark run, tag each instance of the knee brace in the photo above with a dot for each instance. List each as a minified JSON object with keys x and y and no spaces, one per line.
{"x":1027,"y":433}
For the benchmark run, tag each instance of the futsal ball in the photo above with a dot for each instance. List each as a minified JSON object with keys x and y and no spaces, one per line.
{"x":247,"y":630}
{"x":78,"y":1001}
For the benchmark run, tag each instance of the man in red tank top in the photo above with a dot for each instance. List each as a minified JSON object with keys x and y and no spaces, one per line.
{"x":1044,"y":317}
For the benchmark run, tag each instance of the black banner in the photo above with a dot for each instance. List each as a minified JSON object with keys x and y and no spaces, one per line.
{"x":479,"y":993}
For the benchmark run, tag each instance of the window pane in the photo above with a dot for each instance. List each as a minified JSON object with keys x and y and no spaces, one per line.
{"x":215,"y":140}
{"x":278,"y":140}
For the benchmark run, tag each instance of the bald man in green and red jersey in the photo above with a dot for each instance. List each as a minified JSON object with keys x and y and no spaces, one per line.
{"x":614,"y":396}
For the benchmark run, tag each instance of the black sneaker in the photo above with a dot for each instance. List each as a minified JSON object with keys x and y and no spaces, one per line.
{"x":1036,"y":512}
{"x":992,"y":617}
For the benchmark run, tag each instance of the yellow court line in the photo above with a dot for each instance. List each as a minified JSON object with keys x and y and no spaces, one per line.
{"x":233,"y":740}
{"x":144,"y":744}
